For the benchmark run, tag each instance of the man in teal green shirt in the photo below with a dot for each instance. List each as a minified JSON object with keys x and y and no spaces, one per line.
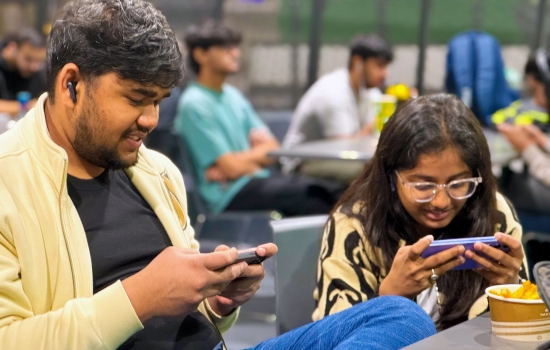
{"x":213,"y":124}
{"x":229,"y":143}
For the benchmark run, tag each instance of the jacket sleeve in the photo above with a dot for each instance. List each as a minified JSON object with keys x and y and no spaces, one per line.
{"x":175,"y":174}
{"x":346,"y":271}
{"x":223,"y":323}
{"x":102,"y":321}
{"x":538,"y":162}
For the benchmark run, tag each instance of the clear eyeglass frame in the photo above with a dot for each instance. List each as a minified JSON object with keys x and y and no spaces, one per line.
{"x":437,"y":187}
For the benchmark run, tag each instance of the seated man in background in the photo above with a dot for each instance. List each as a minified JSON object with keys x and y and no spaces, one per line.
{"x":529,"y":110}
{"x":339,"y":105}
{"x":22,"y":59}
{"x":228,"y":142}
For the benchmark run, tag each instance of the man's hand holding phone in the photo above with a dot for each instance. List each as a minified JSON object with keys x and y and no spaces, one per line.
{"x":241,"y":289}
{"x":179,"y":279}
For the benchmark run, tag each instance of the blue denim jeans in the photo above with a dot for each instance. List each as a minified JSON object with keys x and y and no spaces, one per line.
{"x":387,"y":322}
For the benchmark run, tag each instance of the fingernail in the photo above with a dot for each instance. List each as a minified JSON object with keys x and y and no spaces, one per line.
{"x":430,"y":238}
{"x":468,"y":253}
{"x":261,"y":251}
{"x":461,"y":259}
{"x":461,"y":249}
{"x":498,"y":235}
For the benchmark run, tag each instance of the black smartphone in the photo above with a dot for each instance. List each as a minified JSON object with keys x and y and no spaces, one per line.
{"x":249,"y":256}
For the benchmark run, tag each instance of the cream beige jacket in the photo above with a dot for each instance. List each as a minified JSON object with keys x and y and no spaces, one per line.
{"x":46,"y":285}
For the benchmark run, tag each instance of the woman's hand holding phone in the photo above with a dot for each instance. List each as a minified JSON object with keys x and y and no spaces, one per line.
{"x":410,"y":273}
{"x":505,"y":267}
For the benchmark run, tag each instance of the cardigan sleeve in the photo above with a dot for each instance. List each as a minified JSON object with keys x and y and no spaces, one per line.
{"x":346,"y":272}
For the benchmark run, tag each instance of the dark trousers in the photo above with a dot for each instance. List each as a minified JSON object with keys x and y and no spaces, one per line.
{"x":291,"y":195}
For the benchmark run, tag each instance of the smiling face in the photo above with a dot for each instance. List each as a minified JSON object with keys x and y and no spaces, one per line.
{"x":116,"y":116}
{"x":440,"y":168}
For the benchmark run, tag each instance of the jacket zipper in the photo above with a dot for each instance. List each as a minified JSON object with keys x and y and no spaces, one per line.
{"x":63,"y":226}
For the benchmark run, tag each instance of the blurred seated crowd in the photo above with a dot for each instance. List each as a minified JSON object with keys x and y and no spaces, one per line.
{"x":22,"y":75}
{"x":97,"y":247}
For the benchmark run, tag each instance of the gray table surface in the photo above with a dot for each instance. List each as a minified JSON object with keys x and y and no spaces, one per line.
{"x":363,"y":149}
{"x":473,"y":334}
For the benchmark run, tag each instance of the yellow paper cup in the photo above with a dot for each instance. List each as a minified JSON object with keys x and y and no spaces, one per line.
{"x":518,"y":319}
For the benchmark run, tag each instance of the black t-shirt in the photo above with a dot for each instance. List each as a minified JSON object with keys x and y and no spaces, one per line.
{"x":124,"y":235}
{"x":11,"y":82}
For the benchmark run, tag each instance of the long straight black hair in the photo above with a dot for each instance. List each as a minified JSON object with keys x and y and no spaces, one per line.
{"x":426,"y":125}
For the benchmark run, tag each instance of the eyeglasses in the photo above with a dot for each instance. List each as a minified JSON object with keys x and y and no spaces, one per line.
{"x":424,"y":192}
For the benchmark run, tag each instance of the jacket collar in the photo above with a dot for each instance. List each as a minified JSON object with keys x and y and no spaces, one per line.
{"x":145,"y":174}
{"x":35,"y":135}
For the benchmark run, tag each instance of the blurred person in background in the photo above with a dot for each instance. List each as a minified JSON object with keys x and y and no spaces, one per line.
{"x":229,"y":143}
{"x":533,"y":146}
{"x":531,"y":109}
{"x":22,"y":57}
{"x":339,"y":105}
{"x":524,"y":130}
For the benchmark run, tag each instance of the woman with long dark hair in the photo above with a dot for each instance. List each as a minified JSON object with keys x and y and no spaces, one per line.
{"x":430,"y":178}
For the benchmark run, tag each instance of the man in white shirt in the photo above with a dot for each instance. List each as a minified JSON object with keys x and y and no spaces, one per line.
{"x":337,"y":105}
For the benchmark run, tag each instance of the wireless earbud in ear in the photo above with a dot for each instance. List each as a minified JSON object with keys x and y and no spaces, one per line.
{"x":72,"y":91}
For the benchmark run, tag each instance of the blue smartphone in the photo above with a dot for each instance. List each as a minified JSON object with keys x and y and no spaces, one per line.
{"x":468,"y":243}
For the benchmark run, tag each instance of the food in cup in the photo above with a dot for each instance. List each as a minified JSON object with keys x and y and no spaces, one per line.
{"x":527,"y":291}
{"x":515,"y":318}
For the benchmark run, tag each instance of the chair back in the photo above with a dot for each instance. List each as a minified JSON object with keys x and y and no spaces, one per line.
{"x":182,"y":160}
{"x":278,"y":122}
{"x":299,"y":242}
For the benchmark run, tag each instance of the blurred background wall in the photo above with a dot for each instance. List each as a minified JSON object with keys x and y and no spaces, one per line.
{"x":276,"y":66}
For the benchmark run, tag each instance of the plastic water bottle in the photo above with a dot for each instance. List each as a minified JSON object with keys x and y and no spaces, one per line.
{"x":6,"y":121}
{"x":466,"y":96}
{"x":23,"y":97}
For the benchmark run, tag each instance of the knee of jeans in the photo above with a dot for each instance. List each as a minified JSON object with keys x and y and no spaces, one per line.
{"x":399,"y":305}
{"x":405,"y":310}
{"x":394,"y":302}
